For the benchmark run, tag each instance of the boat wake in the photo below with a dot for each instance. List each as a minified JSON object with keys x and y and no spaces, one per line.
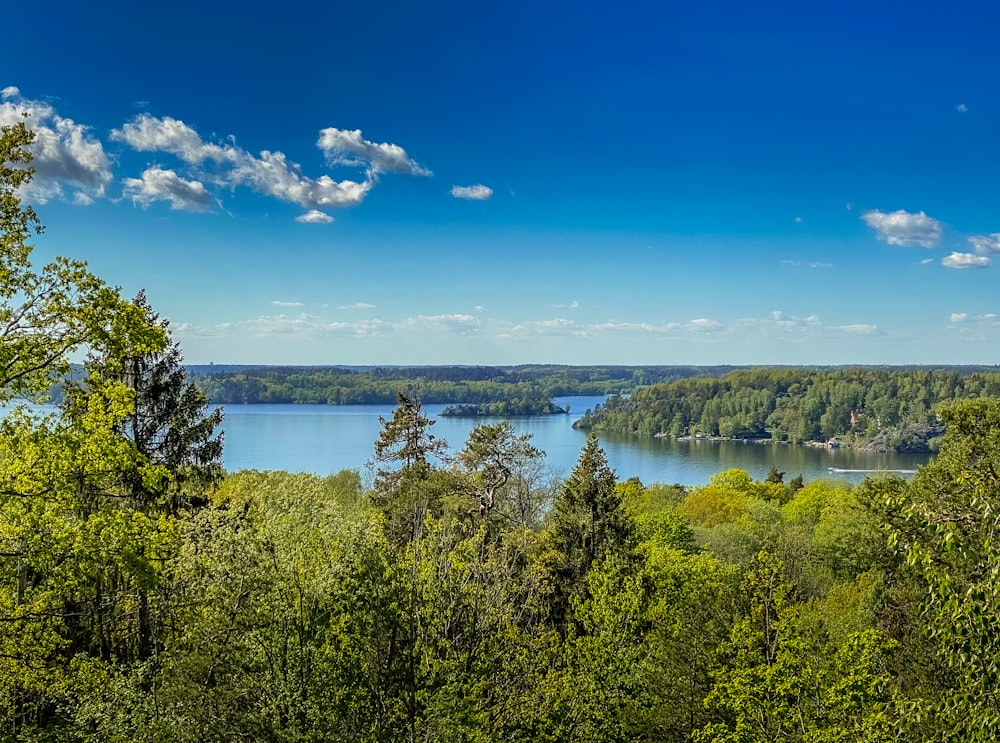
{"x":898,"y":472}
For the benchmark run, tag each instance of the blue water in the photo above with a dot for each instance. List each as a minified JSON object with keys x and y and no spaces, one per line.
{"x":326,"y":439}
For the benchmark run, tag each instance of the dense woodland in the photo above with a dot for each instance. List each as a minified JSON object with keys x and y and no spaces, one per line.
{"x":893,"y":409}
{"x":469,"y":385}
{"x":456,"y":594}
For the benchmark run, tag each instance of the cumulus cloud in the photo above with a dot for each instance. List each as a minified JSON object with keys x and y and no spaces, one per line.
{"x":986,"y":244}
{"x":157,"y":184}
{"x":959,"y":317}
{"x":904,"y":229}
{"x":860,"y":329}
{"x":965,"y":260}
{"x":962,"y":108}
{"x":270,"y":174}
{"x":282,"y":303}
{"x":68,"y":160}
{"x":479,"y":192}
{"x":314,"y":216}
{"x":357,"y":306}
{"x":926,"y":261}
{"x":348,"y":147}
{"x":71,"y":163}
{"x":227,"y":165}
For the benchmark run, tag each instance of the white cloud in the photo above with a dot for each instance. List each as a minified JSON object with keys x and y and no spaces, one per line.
{"x":479,"y":192}
{"x":357,"y":306}
{"x":904,"y":229}
{"x":348,"y":147}
{"x":806,"y":264}
{"x":776,"y":327}
{"x":146,"y":133}
{"x":437,"y":324}
{"x":281,"y":303}
{"x":271,"y":173}
{"x":986,"y":244}
{"x":157,"y":184}
{"x":314,"y":216}
{"x":67,"y":159}
{"x":860,"y":329}
{"x":791,"y":321}
{"x":798,"y":220}
{"x":962,"y":108}
{"x":959,"y":317}
{"x":965,"y":260}
{"x":926,"y":261}
{"x":704,"y":325}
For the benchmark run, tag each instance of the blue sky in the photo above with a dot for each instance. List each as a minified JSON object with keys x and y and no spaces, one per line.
{"x":405,"y":183}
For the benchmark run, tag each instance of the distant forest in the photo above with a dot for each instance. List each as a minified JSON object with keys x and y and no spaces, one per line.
{"x":878,"y":408}
{"x":519,"y":387}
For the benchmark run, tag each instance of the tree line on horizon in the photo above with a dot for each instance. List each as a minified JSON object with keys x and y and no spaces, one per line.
{"x":467,"y":385}
{"x":454,"y":595}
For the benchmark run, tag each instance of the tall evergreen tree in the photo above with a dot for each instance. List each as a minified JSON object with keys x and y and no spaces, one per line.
{"x":404,"y":452}
{"x":170,"y":426}
{"x":589,"y":524}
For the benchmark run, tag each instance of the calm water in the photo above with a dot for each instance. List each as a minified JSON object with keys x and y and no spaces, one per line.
{"x":326,"y":439}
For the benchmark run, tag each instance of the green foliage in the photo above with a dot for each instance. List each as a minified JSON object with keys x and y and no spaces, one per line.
{"x":49,"y":311}
{"x":406,"y":450}
{"x":589,"y":524}
{"x":179,"y":452}
{"x":890,"y":406}
{"x":513,"y":390}
{"x":789,"y":682}
{"x":946,"y":525}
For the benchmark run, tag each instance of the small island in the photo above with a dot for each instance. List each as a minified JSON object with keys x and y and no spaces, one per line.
{"x":504,"y":409}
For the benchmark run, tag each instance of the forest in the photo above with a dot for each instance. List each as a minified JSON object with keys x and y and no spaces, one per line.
{"x":466,"y":385}
{"x":890,"y":409}
{"x":462,"y":594}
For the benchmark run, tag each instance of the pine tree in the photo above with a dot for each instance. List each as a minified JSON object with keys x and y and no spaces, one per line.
{"x":404,"y":489}
{"x":589,"y":525}
{"x":174,"y":435}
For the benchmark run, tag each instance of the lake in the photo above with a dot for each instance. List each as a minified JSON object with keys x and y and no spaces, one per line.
{"x":326,"y":439}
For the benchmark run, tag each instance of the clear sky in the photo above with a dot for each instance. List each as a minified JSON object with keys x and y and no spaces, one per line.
{"x":558,"y":182}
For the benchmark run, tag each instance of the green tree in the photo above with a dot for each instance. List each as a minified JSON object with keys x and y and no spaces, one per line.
{"x":502,"y":471}
{"x":589,"y":524}
{"x":407,"y":486}
{"x":788,"y":682}
{"x":173,"y":432}
{"x":46,"y":312}
{"x":945,"y":521}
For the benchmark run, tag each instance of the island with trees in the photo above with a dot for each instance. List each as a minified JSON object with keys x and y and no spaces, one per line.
{"x":464,"y":593}
{"x":873,"y":408}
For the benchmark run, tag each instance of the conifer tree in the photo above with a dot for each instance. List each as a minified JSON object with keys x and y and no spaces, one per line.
{"x":404,"y":452}
{"x":589,"y":524}
{"x":179,"y":453}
